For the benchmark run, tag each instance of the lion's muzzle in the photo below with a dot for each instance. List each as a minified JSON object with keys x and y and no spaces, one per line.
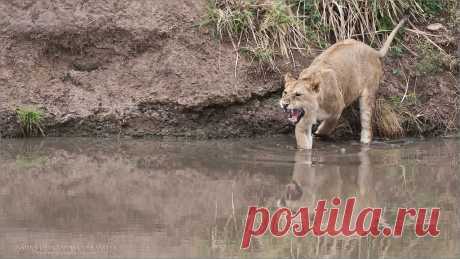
{"x":294,"y":115}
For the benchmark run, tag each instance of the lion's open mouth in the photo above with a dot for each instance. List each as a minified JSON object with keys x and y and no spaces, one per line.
{"x":295,"y":115}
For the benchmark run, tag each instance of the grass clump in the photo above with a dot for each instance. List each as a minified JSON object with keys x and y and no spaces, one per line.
{"x":432,"y":60}
{"x":397,"y":51}
{"x":230,"y":20}
{"x":30,"y":120}
{"x":408,"y":99}
{"x":386,"y":120}
{"x":261,"y":30}
{"x":262,"y":56}
{"x":405,"y":108}
{"x":433,"y":7}
{"x":362,"y":19}
{"x":281,"y":27}
{"x":395,"y":116}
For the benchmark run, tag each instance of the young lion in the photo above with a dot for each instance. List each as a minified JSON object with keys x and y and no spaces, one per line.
{"x":343,"y":73}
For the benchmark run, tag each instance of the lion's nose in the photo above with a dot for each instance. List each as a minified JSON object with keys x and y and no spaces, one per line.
{"x":285,"y":106}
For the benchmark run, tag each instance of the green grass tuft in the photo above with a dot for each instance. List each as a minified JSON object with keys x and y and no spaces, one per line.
{"x":431,"y":60}
{"x":30,"y":120}
{"x":432,"y":7}
{"x":263,"y":57}
{"x":397,"y":50}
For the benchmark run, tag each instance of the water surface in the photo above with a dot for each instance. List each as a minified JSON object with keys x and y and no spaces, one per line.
{"x":97,"y":198}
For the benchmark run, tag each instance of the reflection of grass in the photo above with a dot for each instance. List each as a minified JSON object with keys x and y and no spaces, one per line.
{"x":30,"y":161}
{"x":226,"y":237}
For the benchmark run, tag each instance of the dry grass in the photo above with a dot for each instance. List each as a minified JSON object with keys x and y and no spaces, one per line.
{"x":263,"y":57}
{"x":267,"y":28}
{"x":283,"y":30}
{"x":263,"y":30}
{"x":282,"y":27}
{"x":386,"y":120}
{"x":367,"y":19}
{"x":363,"y":19}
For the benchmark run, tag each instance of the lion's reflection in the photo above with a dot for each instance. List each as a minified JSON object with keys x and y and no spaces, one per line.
{"x":343,"y":176}
{"x":313,"y":180}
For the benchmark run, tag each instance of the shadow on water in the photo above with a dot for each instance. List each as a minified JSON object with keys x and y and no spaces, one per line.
{"x":146,"y":198}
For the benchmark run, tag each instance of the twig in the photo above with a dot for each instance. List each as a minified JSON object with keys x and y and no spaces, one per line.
{"x":237,"y":54}
{"x":411,"y":51}
{"x":407,"y":88}
{"x":219,"y":56}
{"x":236,"y":63}
{"x":417,"y":31}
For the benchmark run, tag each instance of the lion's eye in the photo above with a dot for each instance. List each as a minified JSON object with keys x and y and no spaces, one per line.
{"x":284,"y":93}
{"x":298,"y":94}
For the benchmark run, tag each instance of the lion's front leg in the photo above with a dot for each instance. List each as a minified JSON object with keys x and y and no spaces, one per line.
{"x":304,"y":137}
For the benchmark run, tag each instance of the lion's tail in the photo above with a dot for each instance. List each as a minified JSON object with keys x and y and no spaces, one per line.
{"x":384,"y":50}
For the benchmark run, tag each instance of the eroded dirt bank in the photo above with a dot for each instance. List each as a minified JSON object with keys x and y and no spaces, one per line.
{"x":138,"y":68}
{"x":129,"y":67}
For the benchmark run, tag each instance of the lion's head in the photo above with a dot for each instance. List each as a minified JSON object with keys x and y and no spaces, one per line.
{"x":300,"y":98}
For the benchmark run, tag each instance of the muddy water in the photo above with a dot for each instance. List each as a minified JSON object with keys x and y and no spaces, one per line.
{"x":147,"y":199}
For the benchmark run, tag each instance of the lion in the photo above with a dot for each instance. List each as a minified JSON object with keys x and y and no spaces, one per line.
{"x":346,"y":71}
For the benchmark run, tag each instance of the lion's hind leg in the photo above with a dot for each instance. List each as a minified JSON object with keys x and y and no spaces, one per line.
{"x":326,"y":127}
{"x":366,"y":106}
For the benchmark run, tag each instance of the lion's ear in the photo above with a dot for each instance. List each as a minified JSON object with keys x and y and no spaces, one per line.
{"x":317,"y":79}
{"x":316,"y":86}
{"x":288,"y":78}
{"x":316,"y":82}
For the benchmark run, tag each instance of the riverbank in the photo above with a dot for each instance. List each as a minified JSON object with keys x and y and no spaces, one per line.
{"x":143,"y":68}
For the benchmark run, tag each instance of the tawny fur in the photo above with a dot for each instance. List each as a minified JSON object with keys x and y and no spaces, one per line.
{"x":343,"y":73}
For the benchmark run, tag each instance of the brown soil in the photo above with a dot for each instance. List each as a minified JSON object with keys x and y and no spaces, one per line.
{"x":144,"y":68}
